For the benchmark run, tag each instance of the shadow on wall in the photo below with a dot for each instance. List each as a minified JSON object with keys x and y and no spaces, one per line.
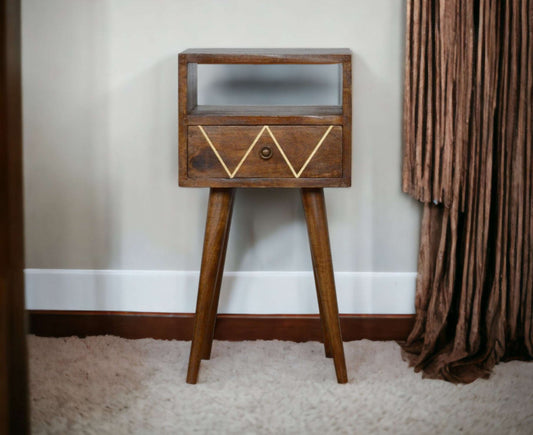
{"x":270,"y":84}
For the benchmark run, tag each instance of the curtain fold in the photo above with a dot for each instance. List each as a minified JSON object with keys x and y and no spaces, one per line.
{"x":468,"y":156}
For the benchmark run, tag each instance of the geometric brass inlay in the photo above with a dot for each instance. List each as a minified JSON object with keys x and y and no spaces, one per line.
{"x":248,"y":151}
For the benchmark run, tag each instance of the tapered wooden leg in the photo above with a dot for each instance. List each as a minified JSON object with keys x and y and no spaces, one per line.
{"x":317,"y":228}
{"x":218,"y":215}
{"x":325,"y":332}
{"x":211,"y":321}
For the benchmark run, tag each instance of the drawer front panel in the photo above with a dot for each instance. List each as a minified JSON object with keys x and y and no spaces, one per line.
{"x":278,"y":151}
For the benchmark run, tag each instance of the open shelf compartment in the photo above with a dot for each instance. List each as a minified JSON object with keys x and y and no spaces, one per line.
{"x":268,"y":82}
{"x":309,"y":139}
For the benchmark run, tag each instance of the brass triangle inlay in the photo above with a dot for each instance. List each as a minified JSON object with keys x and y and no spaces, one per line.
{"x":248,"y":151}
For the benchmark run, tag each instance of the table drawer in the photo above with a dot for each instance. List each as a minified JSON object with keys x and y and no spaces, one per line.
{"x":258,"y":151}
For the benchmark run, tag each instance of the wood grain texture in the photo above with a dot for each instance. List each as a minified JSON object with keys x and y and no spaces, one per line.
{"x":14,"y":406}
{"x":317,"y":228}
{"x":318,"y":112}
{"x":229,"y":327}
{"x":216,"y":229}
{"x":197,"y":167}
{"x":347,"y":121}
{"x":234,"y":143}
{"x":265,"y":182}
{"x":267,"y":55}
{"x":186,"y":102}
{"x":212,"y":315}
{"x":222,"y":147}
{"x":468,"y":156}
{"x":265,"y":115}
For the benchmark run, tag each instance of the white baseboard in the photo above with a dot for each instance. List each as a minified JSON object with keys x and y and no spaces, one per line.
{"x":242,"y":292}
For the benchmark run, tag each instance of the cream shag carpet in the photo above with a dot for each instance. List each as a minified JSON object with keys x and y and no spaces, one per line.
{"x":110,"y":385}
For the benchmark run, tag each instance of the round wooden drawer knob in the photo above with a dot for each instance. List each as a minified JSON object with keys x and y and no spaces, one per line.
{"x":265,"y":153}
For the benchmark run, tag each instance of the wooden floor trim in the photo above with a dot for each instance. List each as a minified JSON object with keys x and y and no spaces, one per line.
{"x":231,"y":327}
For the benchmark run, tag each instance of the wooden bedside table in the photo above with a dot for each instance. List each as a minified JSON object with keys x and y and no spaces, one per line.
{"x":225,"y":147}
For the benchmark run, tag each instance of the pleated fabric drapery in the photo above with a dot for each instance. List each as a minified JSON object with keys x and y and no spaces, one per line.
{"x":468,"y":156}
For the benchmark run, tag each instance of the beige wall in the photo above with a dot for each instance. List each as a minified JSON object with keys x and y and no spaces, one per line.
{"x":100,"y":136}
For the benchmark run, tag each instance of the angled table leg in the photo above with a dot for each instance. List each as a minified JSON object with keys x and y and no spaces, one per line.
{"x":317,"y":228}
{"x":216,"y":231}
{"x":211,"y":321}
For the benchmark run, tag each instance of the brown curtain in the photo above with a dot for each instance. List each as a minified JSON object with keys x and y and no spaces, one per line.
{"x":468,"y":156}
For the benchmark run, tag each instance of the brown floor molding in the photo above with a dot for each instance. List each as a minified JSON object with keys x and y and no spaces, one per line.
{"x":232,"y":327}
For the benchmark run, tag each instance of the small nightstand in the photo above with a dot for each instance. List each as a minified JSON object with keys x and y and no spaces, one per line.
{"x":225,"y":147}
